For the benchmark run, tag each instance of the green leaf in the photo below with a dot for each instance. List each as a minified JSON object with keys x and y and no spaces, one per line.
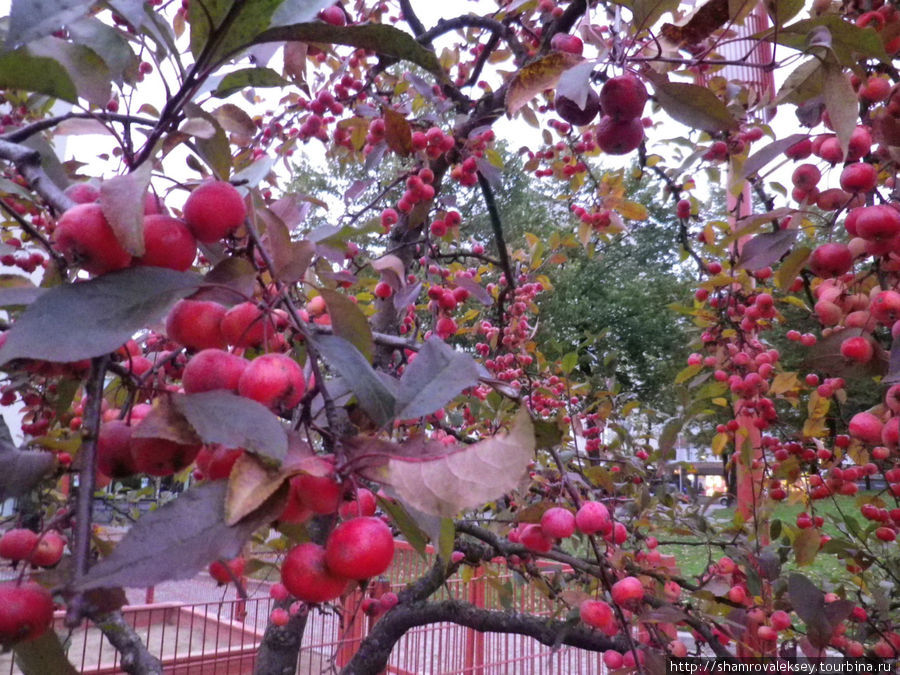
{"x":645,"y":13}
{"x":248,"y":77}
{"x":371,"y":391}
{"x":91,"y":318}
{"x":348,"y":322}
{"x":43,"y":655}
{"x":446,"y":540}
{"x":434,"y":378}
{"x":693,"y":105}
{"x":385,"y":40}
{"x":242,"y":21}
{"x":216,"y":150}
{"x":122,"y":201}
{"x":407,"y":525}
{"x":178,"y":540}
{"x":804,"y":83}
{"x":841,"y":103}
{"x":568,"y":363}
{"x":848,"y":41}
{"x":235,"y":422}
{"x":86,"y":69}
{"x":109,"y":43}
{"x":33,"y":19}
{"x":20,"y":69}
{"x":783,"y":10}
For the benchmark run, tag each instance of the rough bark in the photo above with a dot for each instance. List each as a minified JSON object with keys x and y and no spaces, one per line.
{"x":280,"y":648}
{"x":376,"y":648}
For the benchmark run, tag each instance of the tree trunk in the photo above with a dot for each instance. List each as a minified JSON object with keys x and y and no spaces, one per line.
{"x":280,"y":647}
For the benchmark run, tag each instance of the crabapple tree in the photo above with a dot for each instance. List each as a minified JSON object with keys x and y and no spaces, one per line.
{"x":317,"y":374}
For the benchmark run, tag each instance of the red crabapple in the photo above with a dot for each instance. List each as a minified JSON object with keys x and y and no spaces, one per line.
{"x":168,"y":243}
{"x":623,"y":97}
{"x":213,"y":210}
{"x":558,"y":522}
{"x":306,"y":576}
{"x":213,"y":369}
{"x":26,"y":612}
{"x":85,"y":238}
{"x":196,"y":324}
{"x":275,"y":380}
{"x":360,"y":548}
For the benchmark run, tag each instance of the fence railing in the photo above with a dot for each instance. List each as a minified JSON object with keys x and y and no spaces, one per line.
{"x":222,"y":637}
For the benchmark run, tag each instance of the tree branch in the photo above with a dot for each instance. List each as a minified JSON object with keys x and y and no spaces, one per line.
{"x":136,"y":659}
{"x":502,"y":253}
{"x":411,"y":19}
{"x":28,"y":163}
{"x":376,"y":648}
{"x":23,"y":133}
{"x":471,"y":21}
{"x":86,"y":476}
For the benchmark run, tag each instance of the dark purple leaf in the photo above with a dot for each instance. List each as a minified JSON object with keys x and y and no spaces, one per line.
{"x":434,"y":378}
{"x":492,"y":173}
{"x":475,"y":289}
{"x":809,"y":603}
{"x":825,"y":356}
{"x":774,"y":149}
{"x":238,"y":274}
{"x":893,"y":374}
{"x":371,"y":391}
{"x":356,"y":189}
{"x":178,"y":540}
{"x":373,"y":159}
{"x":90,"y":318}
{"x":766,"y":249}
{"x":235,"y":422}
{"x":407,"y":296}
{"x":21,"y":295}
{"x":21,"y":470}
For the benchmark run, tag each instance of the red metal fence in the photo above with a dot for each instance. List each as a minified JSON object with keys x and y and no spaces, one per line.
{"x":221,"y":637}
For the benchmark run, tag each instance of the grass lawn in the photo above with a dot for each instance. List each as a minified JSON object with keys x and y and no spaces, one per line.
{"x":693,"y":559}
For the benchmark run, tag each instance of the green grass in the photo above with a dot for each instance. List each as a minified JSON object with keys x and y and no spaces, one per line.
{"x":693,"y":555}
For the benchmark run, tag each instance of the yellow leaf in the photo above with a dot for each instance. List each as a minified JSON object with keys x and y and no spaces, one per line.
{"x":687,"y":374}
{"x":797,"y":302}
{"x":633,"y":211}
{"x":783,"y":383}
{"x":815,"y":428}
{"x":791,"y":266}
{"x":722,"y":402}
{"x":250,"y":484}
{"x":720,"y":441}
{"x":537,"y":76}
{"x":818,"y":407}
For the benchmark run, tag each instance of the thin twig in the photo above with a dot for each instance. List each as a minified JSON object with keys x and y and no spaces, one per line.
{"x":35,"y":234}
{"x":86,"y":482}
